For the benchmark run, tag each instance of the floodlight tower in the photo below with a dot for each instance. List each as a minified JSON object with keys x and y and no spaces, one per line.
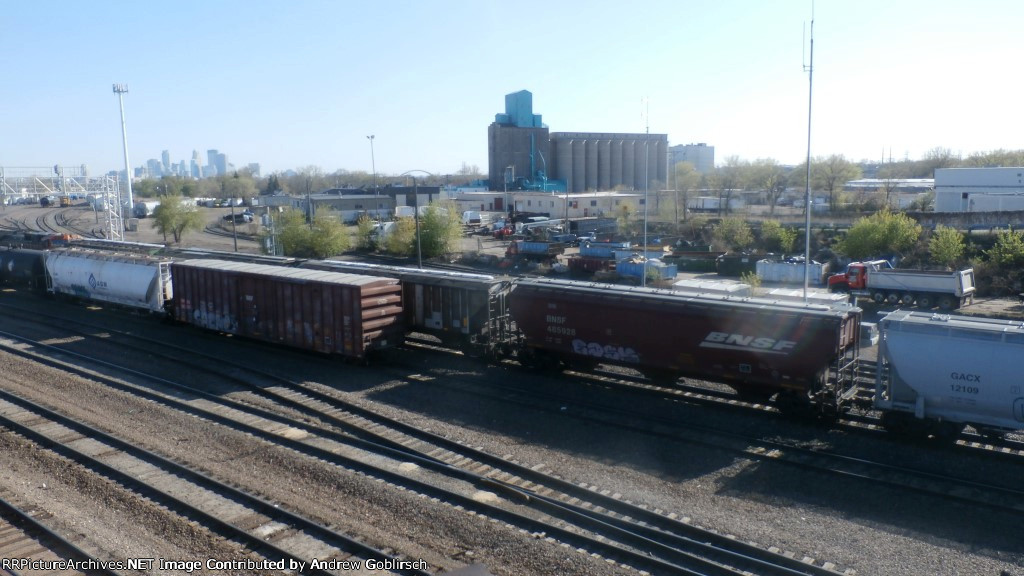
{"x":121,"y":90}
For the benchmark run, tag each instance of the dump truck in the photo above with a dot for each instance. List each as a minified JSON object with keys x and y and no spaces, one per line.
{"x":877,"y":280}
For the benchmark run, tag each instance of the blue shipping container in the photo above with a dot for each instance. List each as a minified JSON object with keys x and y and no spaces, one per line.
{"x":636,"y":269}
{"x":602,"y":249}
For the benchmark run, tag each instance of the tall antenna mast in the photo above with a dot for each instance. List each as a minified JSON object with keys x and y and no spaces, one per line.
{"x":809,"y":68}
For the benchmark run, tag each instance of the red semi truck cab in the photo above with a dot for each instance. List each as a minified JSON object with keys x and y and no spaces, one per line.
{"x":856,"y":276}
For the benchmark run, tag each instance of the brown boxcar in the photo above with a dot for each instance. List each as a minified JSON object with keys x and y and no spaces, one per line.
{"x":456,"y":307}
{"x":330,"y":312}
{"x":757,"y":347}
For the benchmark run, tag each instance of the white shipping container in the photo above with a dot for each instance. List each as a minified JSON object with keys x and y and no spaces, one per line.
{"x":790,"y":273}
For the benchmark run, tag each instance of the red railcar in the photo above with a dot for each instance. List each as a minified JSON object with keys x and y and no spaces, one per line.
{"x":330,"y":312}
{"x":757,"y":347}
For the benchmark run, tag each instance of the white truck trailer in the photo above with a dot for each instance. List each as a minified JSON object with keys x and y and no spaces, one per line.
{"x":926,"y":288}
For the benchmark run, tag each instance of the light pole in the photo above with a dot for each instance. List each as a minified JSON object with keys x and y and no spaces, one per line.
{"x":373,"y":164}
{"x":643,"y":278}
{"x":121,"y":90}
{"x":508,"y":208}
{"x":416,"y":215}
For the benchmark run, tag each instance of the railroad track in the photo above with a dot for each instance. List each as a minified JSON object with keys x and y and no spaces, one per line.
{"x":507,"y":478}
{"x":27,"y":545}
{"x":262,"y":526}
{"x":622,"y":531}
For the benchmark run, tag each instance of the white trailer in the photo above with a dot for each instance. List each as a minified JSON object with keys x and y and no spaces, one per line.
{"x":938,"y":373}
{"x":129,"y":280}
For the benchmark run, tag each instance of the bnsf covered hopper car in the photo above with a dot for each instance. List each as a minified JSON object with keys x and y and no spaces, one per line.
{"x":456,"y":307}
{"x":938,"y":373}
{"x":345,"y":314}
{"x":759,"y":348}
{"x":130,"y":280}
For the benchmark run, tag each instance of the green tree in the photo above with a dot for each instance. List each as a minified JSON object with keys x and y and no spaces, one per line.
{"x":830,"y":174}
{"x":401,"y":239}
{"x":364,"y":230}
{"x":775,"y":236}
{"x":684,"y":181}
{"x":768,"y":175}
{"x":1008,"y":250}
{"x":175,"y":216}
{"x":733,"y":234}
{"x":326,"y":236}
{"x":882,"y":232}
{"x":329,"y":235}
{"x":440,"y":229}
{"x":946,"y":246}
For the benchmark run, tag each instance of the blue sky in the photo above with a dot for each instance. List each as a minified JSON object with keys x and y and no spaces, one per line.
{"x":302,"y":83}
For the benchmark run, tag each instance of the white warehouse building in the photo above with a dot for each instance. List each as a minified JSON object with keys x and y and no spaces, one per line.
{"x":979,"y":189}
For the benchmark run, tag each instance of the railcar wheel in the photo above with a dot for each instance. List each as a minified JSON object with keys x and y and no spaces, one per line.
{"x":754,"y":395}
{"x":947,"y":432}
{"x":925,"y":302}
{"x":901,"y":424}
{"x":907,"y":299}
{"x":794,"y":404}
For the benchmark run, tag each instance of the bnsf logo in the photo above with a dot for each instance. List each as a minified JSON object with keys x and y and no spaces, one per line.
{"x":744,"y":342}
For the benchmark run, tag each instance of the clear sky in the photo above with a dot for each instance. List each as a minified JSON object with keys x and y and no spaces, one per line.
{"x":301,"y":83}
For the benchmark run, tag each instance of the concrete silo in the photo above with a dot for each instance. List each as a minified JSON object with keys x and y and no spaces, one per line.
{"x":629,"y":163}
{"x":604,"y":167}
{"x":579,"y":164}
{"x":615,"y":153}
{"x":591,"y":151}
{"x":563,"y":161}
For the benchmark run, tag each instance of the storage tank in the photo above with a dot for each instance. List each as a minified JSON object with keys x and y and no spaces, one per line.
{"x":329,"y":312}
{"x":579,"y":165}
{"x":128,"y":279}
{"x":604,"y":167}
{"x":960,"y":369}
{"x":591,"y":160}
{"x":615,"y":153}
{"x":628,"y":163}
{"x":563,"y":154}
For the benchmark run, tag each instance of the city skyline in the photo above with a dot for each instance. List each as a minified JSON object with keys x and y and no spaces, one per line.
{"x":890,"y":79}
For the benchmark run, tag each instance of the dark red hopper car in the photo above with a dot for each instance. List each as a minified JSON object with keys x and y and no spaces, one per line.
{"x":330,"y":312}
{"x":755,"y":346}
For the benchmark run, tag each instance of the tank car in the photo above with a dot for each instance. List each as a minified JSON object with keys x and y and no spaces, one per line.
{"x":23,"y":267}
{"x":938,"y":373}
{"x":133,"y":280}
{"x":458,"y":308}
{"x":804,"y":353}
{"x":334,"y":313}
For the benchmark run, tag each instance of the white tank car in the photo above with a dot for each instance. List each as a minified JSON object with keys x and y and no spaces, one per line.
{"x":938,"y":372}
{"x":130,"y":280}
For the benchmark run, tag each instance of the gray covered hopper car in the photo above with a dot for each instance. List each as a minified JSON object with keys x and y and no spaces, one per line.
{"x":345,"y":314}
{"x":938,"y":373}
{"x":133,"y":280}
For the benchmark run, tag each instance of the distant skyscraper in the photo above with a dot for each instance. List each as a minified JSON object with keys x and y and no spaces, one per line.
{"x":197,"y":165}
{"x":700,"y":155}
{"x":211,"y":163}
{"x":165,"y":159}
